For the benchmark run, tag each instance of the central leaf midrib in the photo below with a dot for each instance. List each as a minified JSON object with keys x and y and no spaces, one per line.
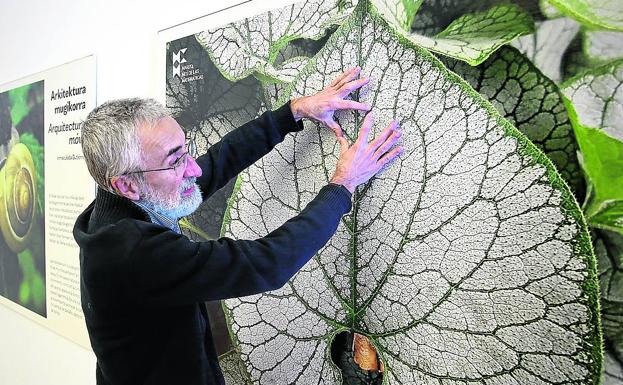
{"x":356,"y":198}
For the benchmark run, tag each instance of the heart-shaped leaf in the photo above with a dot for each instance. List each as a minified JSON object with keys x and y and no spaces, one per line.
{"x":465,"y":261}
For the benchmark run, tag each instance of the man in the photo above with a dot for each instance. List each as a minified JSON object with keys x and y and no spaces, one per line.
{"x":142,"y":282}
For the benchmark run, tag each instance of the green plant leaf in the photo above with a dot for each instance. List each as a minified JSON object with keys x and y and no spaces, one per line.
{"x":473,"y":37}
{"x":601,"y":46}
{"x":594,"y":101}
{"x":531,"y":102}
{"x":251,"y":45}
{"x":607,"y":215}
{"x":297,"y":51}
{"x":602,"y":161}
{"x":399,"y":12}
{"x":433,"y":16}
{"x":591,"y":49}
{"x":547,"y":45}
{"x":467,"y":260}
{"x":597,"y":96}
{"x":595,"y":14}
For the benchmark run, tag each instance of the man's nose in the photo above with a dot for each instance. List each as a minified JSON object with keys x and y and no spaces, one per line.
{"x":192,"y":168}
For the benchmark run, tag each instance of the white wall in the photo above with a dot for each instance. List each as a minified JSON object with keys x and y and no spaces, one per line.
{"x":36,"y":35}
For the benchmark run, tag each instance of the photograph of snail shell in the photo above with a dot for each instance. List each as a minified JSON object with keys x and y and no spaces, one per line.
{"x":22,"y":251}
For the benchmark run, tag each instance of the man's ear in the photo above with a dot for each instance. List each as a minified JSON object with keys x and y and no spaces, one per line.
{"x":125,"y":186}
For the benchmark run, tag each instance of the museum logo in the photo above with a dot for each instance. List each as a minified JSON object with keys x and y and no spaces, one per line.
{"x":184,"y":70}
{"x":178,"y":60}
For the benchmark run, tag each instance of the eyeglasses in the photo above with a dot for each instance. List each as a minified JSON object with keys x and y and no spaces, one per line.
{"x":181,"y":161}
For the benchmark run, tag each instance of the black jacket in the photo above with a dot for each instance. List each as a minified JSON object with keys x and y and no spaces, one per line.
{"x":142,"y":284}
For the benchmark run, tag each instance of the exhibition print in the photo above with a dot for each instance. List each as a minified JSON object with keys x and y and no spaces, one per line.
{"x":468,"y":260}
{"x":44,"y":184}
{"x":22,"y":251}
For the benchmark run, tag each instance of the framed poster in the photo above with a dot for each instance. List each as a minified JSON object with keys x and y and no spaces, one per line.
{"x":44,"y":184}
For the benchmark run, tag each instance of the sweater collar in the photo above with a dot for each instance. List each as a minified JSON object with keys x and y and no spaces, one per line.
{"x":157,"y":217}
{"x":110,"y":208}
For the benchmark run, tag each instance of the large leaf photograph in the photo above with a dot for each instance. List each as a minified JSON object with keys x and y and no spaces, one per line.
{"x":469,"y":260}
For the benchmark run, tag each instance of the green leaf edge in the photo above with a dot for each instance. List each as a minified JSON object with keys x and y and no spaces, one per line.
{"x":601,"y":70}
{"x":412,"y":7}
{"x":484,"y":55}
{"x":569,"y":205}
{"x":593,"y":60}
{"x":600,"y":209}
{"x":583,"y":19}
{"x":593,"y":71}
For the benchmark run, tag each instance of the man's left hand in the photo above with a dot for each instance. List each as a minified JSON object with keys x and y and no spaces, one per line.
{"x":321,"y":106}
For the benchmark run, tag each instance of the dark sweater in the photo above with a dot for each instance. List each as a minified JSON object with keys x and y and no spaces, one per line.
{"x":143,"y":285}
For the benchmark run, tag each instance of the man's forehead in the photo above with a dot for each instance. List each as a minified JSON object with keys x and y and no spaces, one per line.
{"x":163,"y":138}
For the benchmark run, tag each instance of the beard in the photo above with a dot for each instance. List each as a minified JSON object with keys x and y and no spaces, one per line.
{"x":174,"y":205}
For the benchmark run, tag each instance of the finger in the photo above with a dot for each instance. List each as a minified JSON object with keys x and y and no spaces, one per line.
{"x":353,"y":85}
{"x":364,"y":131}
{"x":333,"y":125}
{"x":350,"y":105}
{"x":350,"y":76}
{"x":341,"y":76}
{"x":344,"y":145}
{"x":389,"y":157}
{"x":387,"y":132}
{"x":385,"y":146}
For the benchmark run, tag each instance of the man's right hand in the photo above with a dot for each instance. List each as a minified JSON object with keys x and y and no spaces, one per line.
{"x":361,"y":161}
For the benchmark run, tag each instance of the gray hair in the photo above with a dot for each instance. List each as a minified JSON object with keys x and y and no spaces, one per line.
{"x":110,"y":140}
